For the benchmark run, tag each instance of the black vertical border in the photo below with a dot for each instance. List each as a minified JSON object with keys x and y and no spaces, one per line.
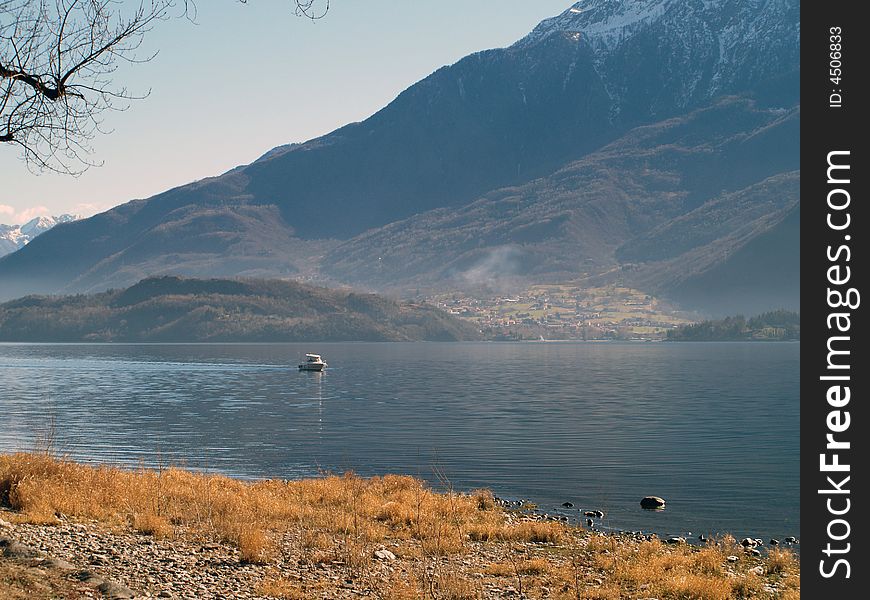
{"x":826,"y":128}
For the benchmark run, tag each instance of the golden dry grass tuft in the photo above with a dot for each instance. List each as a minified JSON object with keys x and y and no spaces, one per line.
{"x":255,"y":546}
{"x":287,"y":589}
{"x":780,"y":561}
{"x":315,"y":540}
{"x":607,"y":592}
{"x":525,"y":531}
{"x":537,"y":566}
{"x":452,"y":586}
{"x":484,"y":498}
{"x":695,"y":587}
{"x":151,"y":524}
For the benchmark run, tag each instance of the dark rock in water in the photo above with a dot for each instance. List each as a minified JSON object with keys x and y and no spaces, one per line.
{"x":702,"y":538}
{"x":791,"y":540}
{"x":748,"y":543}
{"x":652,"y":503}
{"x":676,"y":540}
{"x":599,"y":513}
{"x":589,"y":513}
{"x":568,"y":504}
{"x":754,"y":551}
{"x":774,"y":542}
{"x":759,"y":541}
{"x":589,"y":522}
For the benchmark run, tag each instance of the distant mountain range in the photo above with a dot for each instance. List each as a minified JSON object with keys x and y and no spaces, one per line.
{"x":173,"y":309}
{"x":653,"y":141}
{"x":15,"y":237}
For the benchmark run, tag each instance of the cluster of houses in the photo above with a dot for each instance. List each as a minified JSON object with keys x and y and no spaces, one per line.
{"x":562,"y":316}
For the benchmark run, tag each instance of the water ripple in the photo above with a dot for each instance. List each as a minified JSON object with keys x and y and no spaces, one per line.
{"x":711,"y":427}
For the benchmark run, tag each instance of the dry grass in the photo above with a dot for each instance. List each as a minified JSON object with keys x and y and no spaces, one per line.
{"x":451,"y":586}
{"x":316,"y":540}
{"x":608,"y":592}
{"x":342,"y":520}
{"x":689,"y":573}
{"x":155,"y":501}
{"x":287,"y":589}
{"x":525,"y":531}
{"x":255,"y":546}
{"x":151,"y":524}
{"x":780,"y":561}
{"x":537,"y":566}
{"x":697,"y":587}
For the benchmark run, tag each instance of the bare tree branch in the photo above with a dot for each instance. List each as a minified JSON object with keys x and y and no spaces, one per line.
{"x":57,"y":64}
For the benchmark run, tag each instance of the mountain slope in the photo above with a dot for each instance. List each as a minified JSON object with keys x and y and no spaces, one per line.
{"x":685,"y":192}
{"x":172,"y":309}
{"x":761,"y":275}
{"x":496,"y":118}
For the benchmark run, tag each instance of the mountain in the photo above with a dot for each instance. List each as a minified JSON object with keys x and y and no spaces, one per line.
{"x":654,"y":209}
{"x":496,"y":120}
{"x":14,"y":237}
{"x":173,"y":309}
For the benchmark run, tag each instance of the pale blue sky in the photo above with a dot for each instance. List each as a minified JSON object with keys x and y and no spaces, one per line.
{"x":247,"y":78}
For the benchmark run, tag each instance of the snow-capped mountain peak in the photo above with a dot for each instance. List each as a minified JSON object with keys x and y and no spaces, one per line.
{"x":38,"y":225}
{"x":14,"y":237}
{"x":605,"y":24}
{"x":696,"y":49}
{"x":596,"y":18}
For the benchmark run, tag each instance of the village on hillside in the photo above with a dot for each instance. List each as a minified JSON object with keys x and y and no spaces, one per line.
{"x":566,"y":312}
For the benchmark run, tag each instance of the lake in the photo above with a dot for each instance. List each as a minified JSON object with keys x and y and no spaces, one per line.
{"x":711,"y":427}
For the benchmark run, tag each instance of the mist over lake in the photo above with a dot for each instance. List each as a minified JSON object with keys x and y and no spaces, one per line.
{"x":711,"y":427}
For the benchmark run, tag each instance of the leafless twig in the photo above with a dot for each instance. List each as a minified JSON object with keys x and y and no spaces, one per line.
{"x":58,"y":64}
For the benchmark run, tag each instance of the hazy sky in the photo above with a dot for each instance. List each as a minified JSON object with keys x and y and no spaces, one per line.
{"x":247,"y":78}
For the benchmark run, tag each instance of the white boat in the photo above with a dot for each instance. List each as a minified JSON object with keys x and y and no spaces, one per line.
{"x":313,"y":362}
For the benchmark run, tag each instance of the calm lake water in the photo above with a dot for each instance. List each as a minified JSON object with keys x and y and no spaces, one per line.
{"x":711,"y":427}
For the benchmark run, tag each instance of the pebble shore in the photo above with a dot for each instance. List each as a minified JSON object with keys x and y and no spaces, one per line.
{"x":131,"y":565}
{"x":91,"y":560}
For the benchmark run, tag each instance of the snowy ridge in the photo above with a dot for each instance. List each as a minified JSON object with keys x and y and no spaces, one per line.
{"x":707,"y":47}
{"x":14,"y":237}
{"x":604,"y":22}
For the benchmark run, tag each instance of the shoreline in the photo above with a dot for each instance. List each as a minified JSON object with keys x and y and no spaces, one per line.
{"x":580,"y":516}
{"x":520,"y":504}
{"x":178,"y":534}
